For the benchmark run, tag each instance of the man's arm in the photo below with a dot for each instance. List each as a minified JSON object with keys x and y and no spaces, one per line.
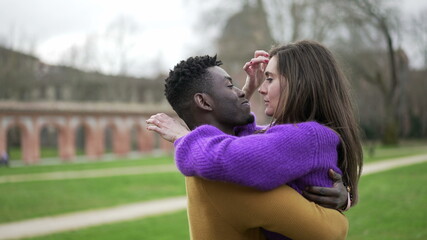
{"x":282,"y":210}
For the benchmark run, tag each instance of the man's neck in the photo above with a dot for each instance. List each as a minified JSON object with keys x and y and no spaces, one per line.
{"x":225,"y":129}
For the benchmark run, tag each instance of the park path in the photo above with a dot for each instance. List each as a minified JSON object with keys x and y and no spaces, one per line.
{"x":48,"y":225}
{"x":66,"y":222}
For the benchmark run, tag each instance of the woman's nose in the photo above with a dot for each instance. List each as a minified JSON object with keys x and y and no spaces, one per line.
{"x":262,"y":89}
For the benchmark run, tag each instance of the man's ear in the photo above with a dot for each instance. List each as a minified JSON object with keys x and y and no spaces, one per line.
{"x":203,"y":101}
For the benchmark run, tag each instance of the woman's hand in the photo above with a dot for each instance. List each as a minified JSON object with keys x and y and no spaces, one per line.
{"x":168,"y":128}
{"x":255,"y":72}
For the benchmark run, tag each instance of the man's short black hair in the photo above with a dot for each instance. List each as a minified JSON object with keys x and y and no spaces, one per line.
{"x":186,"y":79}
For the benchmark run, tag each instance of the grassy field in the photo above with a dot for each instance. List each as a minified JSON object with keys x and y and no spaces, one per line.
{"x":392,"y":205}
{"x":43,"y":198}
{"x":89,"y":164}
{"x":164,"y":227}
{"x":16,"y":154}
{"x":375,"y":152}
{"x":391,"y":208}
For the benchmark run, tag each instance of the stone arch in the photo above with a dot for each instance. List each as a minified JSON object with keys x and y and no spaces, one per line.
{"x":26,"y":144}
{"x":50,"y":135}
{"x":111,"y":137}
{"x":64,"y":138}
{"x":64,"y":117}
{"x":83,"y":133}
{"x":14,"y":142}
{"x":94,"y":142}
{"x":135,"y":137}
{"x":145,"y":139}
{"x":148,"y":141}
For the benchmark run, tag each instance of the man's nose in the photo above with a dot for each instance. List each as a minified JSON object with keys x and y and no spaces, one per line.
{"x":240,"y":93}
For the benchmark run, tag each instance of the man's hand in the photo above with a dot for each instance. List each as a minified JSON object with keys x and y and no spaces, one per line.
{"x":168,"y":128}
{"x":335,"y":197}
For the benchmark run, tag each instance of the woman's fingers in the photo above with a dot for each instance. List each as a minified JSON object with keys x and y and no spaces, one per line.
{"x":261,"y":53}
{"x":158,"y":119}
{"x":153,"y":128}
{"x":259,"y":59}
{"x":167,"y":127}
{"x":153,"y":121}
{"x":255,"y":63}
{"x":247,"y":66}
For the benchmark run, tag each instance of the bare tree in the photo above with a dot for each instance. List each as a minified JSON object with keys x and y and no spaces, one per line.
{"x":293,"y":20}
{"x":119,"y":32}
{"x":366,"y":33}
{"x":418,"y":33}
{"x":379,"y":25}
{"x":106,"y":52}
{"x":84,"y":56}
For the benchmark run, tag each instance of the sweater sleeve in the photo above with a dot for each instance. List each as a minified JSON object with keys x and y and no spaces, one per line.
{"x":263,"y":161}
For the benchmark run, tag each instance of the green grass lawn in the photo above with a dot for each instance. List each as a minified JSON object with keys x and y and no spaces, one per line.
{"x":164,"y":227}
{"x":405,"y":148}
{"x":43,"y":198}
{"x":15,"y":153}
{"x":49,"y":152}
{"x":94,"y":164}
{"x":45,"y":152}
{"x":392,"y":206}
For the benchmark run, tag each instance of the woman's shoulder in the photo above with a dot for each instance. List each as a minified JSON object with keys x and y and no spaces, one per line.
{"x":312,"y":128}
{"x":301,"y":125}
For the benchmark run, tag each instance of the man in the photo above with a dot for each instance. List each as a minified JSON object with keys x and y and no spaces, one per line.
{"x":203,"y":93}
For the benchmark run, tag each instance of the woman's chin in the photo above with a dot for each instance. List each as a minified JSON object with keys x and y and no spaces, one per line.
{"x":268,"y":113}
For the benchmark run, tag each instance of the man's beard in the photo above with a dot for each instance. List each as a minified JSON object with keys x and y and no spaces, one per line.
{"x":250,"y":119}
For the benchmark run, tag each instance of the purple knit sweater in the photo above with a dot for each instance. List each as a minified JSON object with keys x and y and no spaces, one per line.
{"x":299,"y":155}
{"x":295,"y":154}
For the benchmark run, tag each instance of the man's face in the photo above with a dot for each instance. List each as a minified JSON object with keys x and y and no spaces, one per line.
{"x":230,"y":107}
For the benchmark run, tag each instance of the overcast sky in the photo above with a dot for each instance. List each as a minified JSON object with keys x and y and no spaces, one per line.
{"x":160,"y":32}
{"x":161,"y":29}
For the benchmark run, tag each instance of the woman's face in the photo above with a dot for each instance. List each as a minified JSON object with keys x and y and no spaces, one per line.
{"x":270,"y":88}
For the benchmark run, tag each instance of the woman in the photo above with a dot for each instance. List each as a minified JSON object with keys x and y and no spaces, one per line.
{"x":313,"y":128}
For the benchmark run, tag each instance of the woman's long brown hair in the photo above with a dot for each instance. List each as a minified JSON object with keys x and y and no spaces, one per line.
{"x":315,"y":89}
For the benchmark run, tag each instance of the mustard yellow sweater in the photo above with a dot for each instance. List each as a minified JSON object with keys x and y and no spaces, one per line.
{"x":218,"y":211}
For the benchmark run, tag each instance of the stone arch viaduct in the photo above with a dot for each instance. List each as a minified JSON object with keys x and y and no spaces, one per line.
{"x":122,"y":119}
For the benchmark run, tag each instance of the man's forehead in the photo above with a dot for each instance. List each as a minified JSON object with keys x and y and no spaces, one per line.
{"x":219,"y":73}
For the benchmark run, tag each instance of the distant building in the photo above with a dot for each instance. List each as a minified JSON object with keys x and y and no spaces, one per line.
{"x":63,"y":108}
{"x":26,"y":78}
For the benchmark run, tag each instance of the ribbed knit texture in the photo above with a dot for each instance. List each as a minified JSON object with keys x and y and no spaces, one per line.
{"x":295,"y":154}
